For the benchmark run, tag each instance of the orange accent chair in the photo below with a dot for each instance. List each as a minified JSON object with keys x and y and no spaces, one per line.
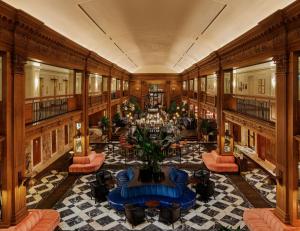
{"x":219,"y":163}
{"x":263,"y":219}
{"x":87,"y":164}
{"x":37,"y":220}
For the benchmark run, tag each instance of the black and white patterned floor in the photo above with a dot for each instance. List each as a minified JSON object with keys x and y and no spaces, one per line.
{"x":79,"y":212}
{"x":190,"y":154}
{"x":257,"y":179}
{"x":43,"y":188}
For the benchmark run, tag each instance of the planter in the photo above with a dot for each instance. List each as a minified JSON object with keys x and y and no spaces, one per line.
{"x":158,"y":176}
{"x":146,"y":175}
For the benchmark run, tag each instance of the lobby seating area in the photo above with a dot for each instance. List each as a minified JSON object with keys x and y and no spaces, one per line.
{"x":166,"y":192}
{"x":38,"y":220}
{"x":220,"y":163}
{"x":264,"y":220}
{"x":87,"y":164}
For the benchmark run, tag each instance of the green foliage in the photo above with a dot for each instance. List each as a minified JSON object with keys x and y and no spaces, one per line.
{"x":116,"y":118}
{"x":105,"y":122}
{"x":208,"y":127}
{"x":134,"y":101}
{"x":173,"y":108}
{"x":149,"y":151}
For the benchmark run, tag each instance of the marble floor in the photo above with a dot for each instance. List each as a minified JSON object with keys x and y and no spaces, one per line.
{"x":190,"y":154}
{"x":43,"y":188}
{"x":79,"y":212}
{"x":257,"y":179}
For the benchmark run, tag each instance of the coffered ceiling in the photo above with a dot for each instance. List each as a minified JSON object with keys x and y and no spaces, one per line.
{"x":151,"y":36}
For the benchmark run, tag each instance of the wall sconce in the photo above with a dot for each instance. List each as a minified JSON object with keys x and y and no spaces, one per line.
{"x":27,"y":180}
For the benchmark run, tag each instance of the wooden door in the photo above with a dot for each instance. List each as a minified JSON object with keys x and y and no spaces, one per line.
{"x":261,"y":146}
{"x":54,"y":148}
{"x":66,"y":134}
{"x":36,"y":151}
{"x":236,"y":133}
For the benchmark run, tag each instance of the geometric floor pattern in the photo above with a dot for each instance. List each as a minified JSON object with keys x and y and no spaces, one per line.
{"x":79,"y":212}
{"x":190,"y":154}
{"x":257,"y":179}
{"x":43,"y":188}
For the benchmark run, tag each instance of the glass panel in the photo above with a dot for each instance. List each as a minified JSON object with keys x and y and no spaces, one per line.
{"x":203,"y":84}
{"x":195,"y":85}
{"x":118,"y":85}
{"x":105,"y":81}
{"x":211,"y":85}
{"x":256,"y":80}
{"x":227,"y":83}
{"x":95,"y":83}
{"x":184,"y":85}
{"x":113,"y":85}
{"x":78,"y":84}
{"x":191,"y":85}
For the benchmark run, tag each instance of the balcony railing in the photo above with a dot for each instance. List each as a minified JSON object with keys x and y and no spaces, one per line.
{"x":41,"y":108}
{"x":116,"y":95}
{"x":254,"y":107}
{"x":125,"y":93}
{"x":96,"y":98}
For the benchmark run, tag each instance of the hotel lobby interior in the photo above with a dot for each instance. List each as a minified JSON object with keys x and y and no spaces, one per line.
{"x":150,"y":115}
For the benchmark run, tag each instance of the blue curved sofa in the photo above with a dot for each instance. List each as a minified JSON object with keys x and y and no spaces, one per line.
{"x":178,"y":192}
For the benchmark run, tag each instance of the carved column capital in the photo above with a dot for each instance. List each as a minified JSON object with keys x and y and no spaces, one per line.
{"x":19,"y":64}
{"x":281,"y":62}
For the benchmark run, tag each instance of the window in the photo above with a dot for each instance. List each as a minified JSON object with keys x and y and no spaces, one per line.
{"x":195,"y":85}
{"x":191,"y":85}
{"x":54,"y":143}
{"x":227,"y":83}
{"x":184,"y":85}
{"x":78,"y":82}
{"x":211,"y":85}
{"x":203,"y":84}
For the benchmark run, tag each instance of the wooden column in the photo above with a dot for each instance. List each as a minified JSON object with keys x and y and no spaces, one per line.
{"x":85,"y":111}
{"x":293,"y":141}
{"x":17,"y":164}
{"x":121,"y":87}
{"x":220,"y":117}
{"x":198,"y":103}
{"x":282,"y":206}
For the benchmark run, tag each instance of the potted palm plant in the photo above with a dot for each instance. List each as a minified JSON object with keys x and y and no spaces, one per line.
{"x":151,"y":153}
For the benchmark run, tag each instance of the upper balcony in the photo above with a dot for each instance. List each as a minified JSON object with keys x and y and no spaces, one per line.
{"x":50,"y":91}
{"x":41,"y":108}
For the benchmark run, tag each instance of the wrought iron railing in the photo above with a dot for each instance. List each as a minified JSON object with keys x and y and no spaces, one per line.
{"x":258,"y":108}
{"x":41,"y":108}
